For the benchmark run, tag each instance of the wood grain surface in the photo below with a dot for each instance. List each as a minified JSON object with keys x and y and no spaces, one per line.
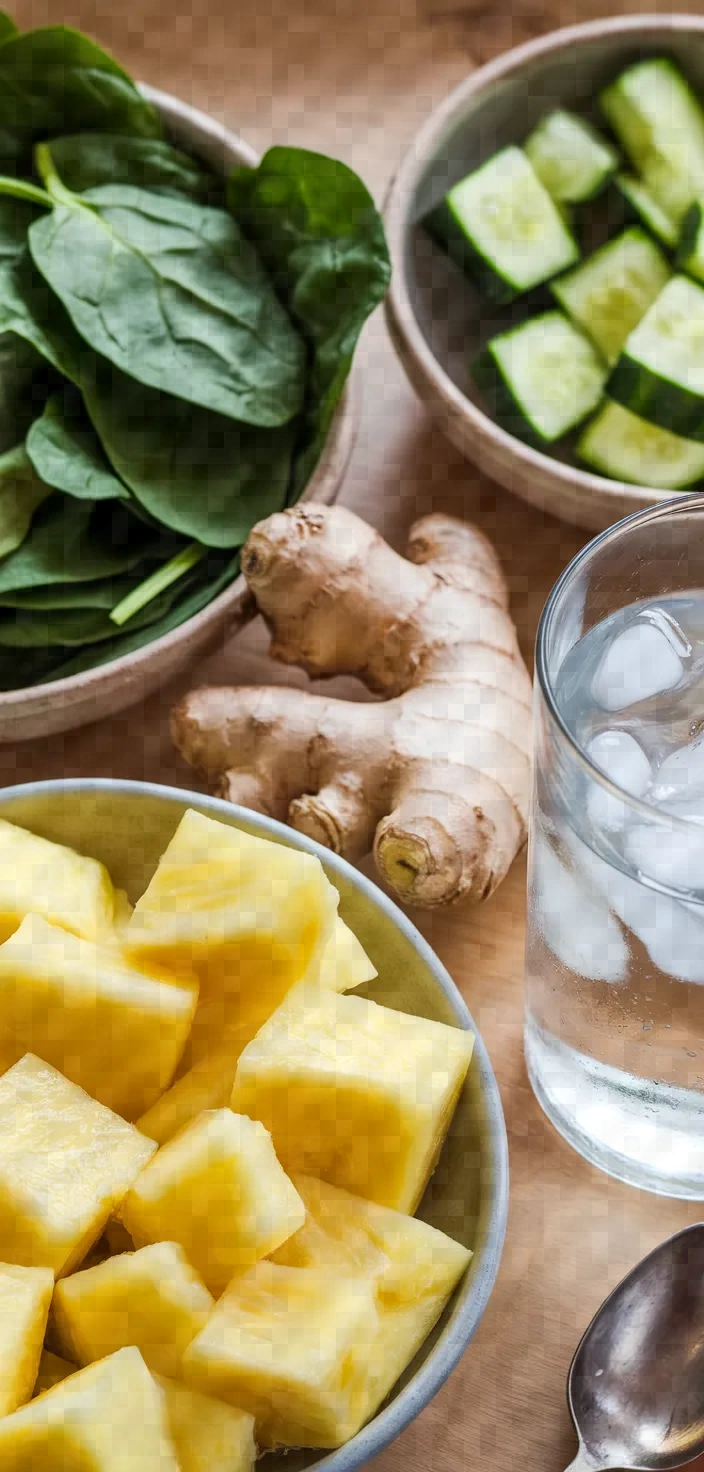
{"x":356,"y":77}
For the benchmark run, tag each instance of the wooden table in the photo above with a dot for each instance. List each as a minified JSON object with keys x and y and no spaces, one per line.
{"x":356,"y":78}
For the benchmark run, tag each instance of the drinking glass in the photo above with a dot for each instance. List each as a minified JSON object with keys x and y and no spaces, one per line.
{"x":614,"y":1028}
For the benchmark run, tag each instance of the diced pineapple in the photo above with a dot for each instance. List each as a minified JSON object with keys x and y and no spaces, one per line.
{"x":286,"y":1345}
{"x":344,"y":963}
{"x":116,"y":1237}
{"x":25,"y":1295}
{"x":207,"y":1085}
{"x":208,"y":1435}
{"x":357,"y":1094}
{"x":52,"y":1370}
{"x":45,"y":878}
{"x":414,"y":1269}
{"x":81,"y":1007}
{"x":108,"y":1418}
{"x":66,"y":1162}
{"x":152,"y":1298}
{"x":247,"y":915}
{"x":218,"y":1189}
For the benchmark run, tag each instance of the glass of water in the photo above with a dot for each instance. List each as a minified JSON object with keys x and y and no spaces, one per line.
{"x":615,"y":951}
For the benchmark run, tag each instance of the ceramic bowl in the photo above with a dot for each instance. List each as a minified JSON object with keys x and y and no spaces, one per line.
{"x":127,"y":825}
{"x":437,"y":319}
{"x":63,"y":704}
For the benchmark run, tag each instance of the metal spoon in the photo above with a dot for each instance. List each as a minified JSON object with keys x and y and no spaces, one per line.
{"x":636,"y":1383}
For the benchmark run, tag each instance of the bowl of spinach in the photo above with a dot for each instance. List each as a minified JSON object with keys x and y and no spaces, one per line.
{"x":178,"y":320}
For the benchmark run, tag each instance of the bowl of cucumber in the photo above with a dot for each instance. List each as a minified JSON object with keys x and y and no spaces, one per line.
{"x":547,"y":239}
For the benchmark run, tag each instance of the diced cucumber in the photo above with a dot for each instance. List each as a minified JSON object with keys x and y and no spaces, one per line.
{"x":541,"y":378}
{"x":660,"y":373}
{"x":623,"y":447}
{"x":500,"y":224}
{"x":570,"y":158}
{"x":660,"y":123}
{"x":690,"y":255}
{"x":608,"y":294}
{"x":641,"y":204}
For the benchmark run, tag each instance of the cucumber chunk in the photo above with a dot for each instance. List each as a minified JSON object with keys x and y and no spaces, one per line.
{"x":608,"y":294}
{"x":642,"y":205}
{"x":501,"y":225}
{"x":570,"y":158}
{"x":660,"y":373}
{"x":541,"y":378}
{"x":660,"y":123}
{"x":623,"y":447}
{"x":690,"y":256}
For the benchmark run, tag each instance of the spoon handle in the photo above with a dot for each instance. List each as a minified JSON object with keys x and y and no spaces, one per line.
{"x":581,"y":1464}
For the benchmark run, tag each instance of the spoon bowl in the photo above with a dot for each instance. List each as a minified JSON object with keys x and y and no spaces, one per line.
{"x":636,"y":1383}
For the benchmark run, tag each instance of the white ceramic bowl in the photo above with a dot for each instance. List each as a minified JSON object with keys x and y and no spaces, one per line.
{"x":128,"y":825}
{"x":436,"y":318}
{"x":63,"y":704}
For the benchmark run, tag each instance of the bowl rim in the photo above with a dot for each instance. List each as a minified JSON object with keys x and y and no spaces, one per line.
{"x":450,"y":1346}
{"x":399,"y":201}
{"x":329,"y":470}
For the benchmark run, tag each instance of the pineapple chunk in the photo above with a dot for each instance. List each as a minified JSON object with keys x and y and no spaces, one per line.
{"x":218,"y":1189}
{"x":208,"y":1435}
{"x":47,"y":879}
{"x":116,"y":1237}
{"x":65,"y":1164}
{"x":52,"y":1370}
{"x":207,"y":1085}
{"x":286,"y":1344}
{"x":81,"y":1007}
{"x":247,"y":915}
{"x":358,"y":1094}
{"x":25,"y":1295}
{"x":344,"y":963}
{"x":108,"y":1418}
{"x":152,"y":1298}
{"x":414,"y":1269}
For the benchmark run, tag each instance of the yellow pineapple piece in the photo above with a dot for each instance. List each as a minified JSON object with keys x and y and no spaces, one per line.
{"x":414,"y":1269}
{"x":52,"y":1370}
{"x":81,"y":1007}
{"x":208,"y":1435}
{"x":66,"y":1162}
{"x":344,"y":963}
{"x":116,"y":1237}
{"x":43,"y":878}
{"x":152,"y":1298}
{"x":25,"y":1295}
{"x":108,"y":1418}
{"x":218,"y":1189}
{"x":247,"y":915}
{"x":286,"y":1345}
{"x":207,"y":1085}
{"x":357,"y":1094}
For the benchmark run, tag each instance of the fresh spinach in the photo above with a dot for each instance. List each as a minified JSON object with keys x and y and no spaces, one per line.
{"x":171,"y":293}
{"x":7,"y":27}
{"x":21,"y":493}
{"x":66,"y":452}
{"x":74,"y":541}
{"x":322,"y":239}
{"x":88,"y":160}
{"x":104,"y":593}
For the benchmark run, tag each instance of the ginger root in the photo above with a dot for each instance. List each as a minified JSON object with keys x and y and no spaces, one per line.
{"x":437,"y":774}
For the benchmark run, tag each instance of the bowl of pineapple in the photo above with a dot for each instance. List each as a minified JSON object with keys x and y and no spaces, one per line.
{"x":253,"y":1167}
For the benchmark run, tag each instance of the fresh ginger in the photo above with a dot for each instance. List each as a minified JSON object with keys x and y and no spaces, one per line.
{"x":436,"y":775}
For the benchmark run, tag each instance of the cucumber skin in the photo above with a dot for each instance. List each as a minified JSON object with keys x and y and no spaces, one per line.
{"x":505,"y":408}
{"x":690,"y":255}
{"x":442,"y":226}
{"x":656,"y":399}
{"x":620,"y":211}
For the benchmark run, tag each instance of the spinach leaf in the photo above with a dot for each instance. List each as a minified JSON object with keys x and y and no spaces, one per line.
{"x":21,"y":492}
{"x":31,"y":667}
{"x":7,"y":27}
{"x":171,"y":293}
{"x":87,"y":160}
{"x":66,"y":452}
{"x":322,"y":241}
{"x":104,"y":593}
{"x":29,"y":629}
{"x":202,"y":592}
{"x":55,"y":80}
{"x":73,"y":541}
{"x":29,"y":309}
{"x":198,"y":473}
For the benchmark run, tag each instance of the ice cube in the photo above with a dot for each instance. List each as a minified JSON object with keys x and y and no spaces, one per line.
{"x":672,"y":933}
{"x":640,"y":662}
{"x":576,"y":927}
{"x":671,"y":856}
{"x":626,"y":764}
{"x":681,"y":775}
